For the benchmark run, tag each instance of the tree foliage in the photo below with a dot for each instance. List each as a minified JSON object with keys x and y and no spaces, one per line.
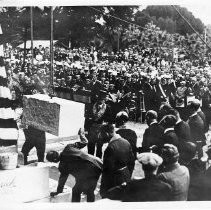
{"x":167,"y":18}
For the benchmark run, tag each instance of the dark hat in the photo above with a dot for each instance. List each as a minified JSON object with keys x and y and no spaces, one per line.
{"x":170,"y":153}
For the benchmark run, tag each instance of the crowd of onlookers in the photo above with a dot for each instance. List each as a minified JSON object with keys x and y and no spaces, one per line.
{"x":175,"y":157}
{"x":176,"y":97}
{"x":126,"y":76}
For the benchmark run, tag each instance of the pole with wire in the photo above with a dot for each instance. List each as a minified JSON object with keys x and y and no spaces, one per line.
{"x":191,"y":26}
{"x":52,"y":54}
{"x":32,"y":38}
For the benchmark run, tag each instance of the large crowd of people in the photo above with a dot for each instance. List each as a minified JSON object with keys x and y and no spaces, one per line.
{"x":174,"y":156}
{"x":176,"y":97}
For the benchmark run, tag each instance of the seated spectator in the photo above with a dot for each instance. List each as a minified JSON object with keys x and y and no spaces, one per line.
{"x":149,"y":188}
{"x":174,"y":174}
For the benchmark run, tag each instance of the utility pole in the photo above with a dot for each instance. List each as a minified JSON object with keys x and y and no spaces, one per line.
{"x":52,"y":53}
{"x":32,"y":37}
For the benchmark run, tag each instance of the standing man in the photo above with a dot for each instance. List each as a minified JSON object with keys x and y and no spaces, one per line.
{"x":34,"y":138}
{"x":169,"y":136}
{"x":100,"y":114}
{"x":182,"y":131}
{"x":118,"y":160}
{"x":153,"y":133}
{"x":126,"y":133}
{"x":196,"y":127}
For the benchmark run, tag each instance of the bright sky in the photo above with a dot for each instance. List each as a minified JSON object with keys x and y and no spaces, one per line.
{"x":200,"y":8}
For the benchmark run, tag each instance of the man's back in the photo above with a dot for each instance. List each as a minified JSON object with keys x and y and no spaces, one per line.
{"x":147,"y":189}
{"x":182,"y":131}
{"x":130,"y":136}
{"x":118,"y":154}
{"x":196,"y":128}
{"x":170,"y":137}
{"x":178,"y":177}
{"x":152,"y":135}
{"x":118,"y":164}
{"x":78,"y":163}
{"x":203,"y":117}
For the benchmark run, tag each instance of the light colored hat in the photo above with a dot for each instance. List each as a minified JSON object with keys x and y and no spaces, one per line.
{"x":149,"y":158}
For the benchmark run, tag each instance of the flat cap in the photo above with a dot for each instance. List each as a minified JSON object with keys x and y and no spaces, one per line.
{"x":149,"y":158}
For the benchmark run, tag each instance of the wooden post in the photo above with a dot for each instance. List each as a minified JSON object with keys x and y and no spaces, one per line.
{"x":32,"y":38}
{"x":52,"y":53}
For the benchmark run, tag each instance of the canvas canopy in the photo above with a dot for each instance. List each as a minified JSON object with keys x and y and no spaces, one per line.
{"x":36,"y":43}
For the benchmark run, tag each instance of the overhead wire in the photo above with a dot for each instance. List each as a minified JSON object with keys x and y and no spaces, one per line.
{"x":117,"y":18}
{"x":190,"y":26}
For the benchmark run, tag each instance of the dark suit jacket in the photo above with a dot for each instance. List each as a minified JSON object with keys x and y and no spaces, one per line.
{"x":182,"y":131}
{"x":130,"y":136}
{"x":75,"y":161}
{"x":196,"y":128}
{"x":152,"y":136}
{"x":84,"y":167}
{"x":146,"y":189}
{"x":203,"y":117}
{"x":170,"y":137}
{"x":118,"y":163}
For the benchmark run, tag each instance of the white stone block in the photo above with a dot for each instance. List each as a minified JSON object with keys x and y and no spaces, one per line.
{"x":57,"y":116}
{"x":65,"y":196}
{"x":24,"y":184}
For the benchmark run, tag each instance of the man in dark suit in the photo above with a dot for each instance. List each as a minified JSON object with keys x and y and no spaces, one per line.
{"x":84,"y":167}
{"x":201,"y":114}
{"x":196,"y":127}
{"x":169,"y":136}
{"x":149,"y":188}
{"x":182,"y":131}
{"x":153,"y":133}
{"x":126,"y":133}
{"x":118,"y":160}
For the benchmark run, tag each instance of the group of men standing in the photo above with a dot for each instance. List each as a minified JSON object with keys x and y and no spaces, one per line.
{"x":172,"y":157}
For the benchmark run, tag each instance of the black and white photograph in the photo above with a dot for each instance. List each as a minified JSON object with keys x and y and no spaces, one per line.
{"x":105,"y":104}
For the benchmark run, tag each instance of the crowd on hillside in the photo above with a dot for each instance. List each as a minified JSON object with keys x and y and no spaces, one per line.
{"x":126,"y":76}
{"x":176,"y":96}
